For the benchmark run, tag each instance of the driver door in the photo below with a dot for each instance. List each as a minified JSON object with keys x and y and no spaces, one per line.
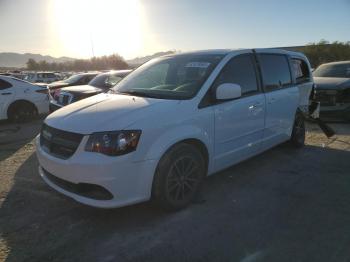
{"x":239,"y":123}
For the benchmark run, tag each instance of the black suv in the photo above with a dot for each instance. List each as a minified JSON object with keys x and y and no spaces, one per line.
{"x":333,"y":89}
{"x":99,"y":84}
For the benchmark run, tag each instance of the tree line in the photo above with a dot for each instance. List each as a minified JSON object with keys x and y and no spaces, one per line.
{"x":95,"y":63}
{"x":324,"y":52}
{"x":317,"y":53}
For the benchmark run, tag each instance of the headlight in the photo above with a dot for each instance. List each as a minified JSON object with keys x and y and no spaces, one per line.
{"x":113,"y":143}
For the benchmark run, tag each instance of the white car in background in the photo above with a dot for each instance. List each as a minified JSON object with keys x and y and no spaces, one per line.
{"x":173,"y":121}
{"x":21,"y":100}
{"x":41,"y":77}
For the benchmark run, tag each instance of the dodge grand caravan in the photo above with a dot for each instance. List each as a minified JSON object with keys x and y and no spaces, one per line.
{"x":171,"y":122}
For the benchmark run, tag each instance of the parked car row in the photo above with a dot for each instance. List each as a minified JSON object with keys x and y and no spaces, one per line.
{"x":21,"y":100}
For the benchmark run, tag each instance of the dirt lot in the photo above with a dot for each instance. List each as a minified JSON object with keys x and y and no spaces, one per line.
{"x":284,"y":205}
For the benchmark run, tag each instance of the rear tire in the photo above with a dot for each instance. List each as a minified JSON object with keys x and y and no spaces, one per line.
{"x":178,"y":177}
{"x":298,"y":134}
{"x":21,"y":112}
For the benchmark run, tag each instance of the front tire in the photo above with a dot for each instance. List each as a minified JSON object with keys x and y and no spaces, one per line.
{"x":21,"y":112}
{"x":178,"y":177}
{"x":298,"y":134}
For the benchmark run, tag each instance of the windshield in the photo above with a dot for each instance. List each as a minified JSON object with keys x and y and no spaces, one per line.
{"x":177,"y":77}
{"x":335,"y":70}
{"x":73,"y":79}
{"x":99,"y":81}
{"x":105,"y":80}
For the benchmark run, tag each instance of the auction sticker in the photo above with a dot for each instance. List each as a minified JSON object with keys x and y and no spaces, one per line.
{"x":198,"y":64}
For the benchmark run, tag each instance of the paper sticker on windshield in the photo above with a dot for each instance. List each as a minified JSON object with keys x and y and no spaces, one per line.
{"x":198,"y":64}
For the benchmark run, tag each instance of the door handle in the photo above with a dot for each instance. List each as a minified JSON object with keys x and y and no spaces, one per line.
{"x":272,"y":100}
{"x":255,"y":105}
{"x":5,"y":94}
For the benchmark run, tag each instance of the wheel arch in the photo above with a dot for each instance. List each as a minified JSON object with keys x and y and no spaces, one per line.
{"x":200,"y":146}
{"x":19,"y":102}
{"x":196,"y":143}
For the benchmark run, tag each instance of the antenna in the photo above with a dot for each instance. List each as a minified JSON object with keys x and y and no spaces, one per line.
{"x":92,"y":45}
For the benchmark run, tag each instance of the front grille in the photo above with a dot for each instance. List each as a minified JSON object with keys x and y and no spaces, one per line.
{"x":326,"y":98}
{"x":59,"y":143}
{"x":83,"y":189}
{"x":64,"y":99}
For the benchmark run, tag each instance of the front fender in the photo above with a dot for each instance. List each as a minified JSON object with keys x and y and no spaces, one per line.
{"x":176,"y":135}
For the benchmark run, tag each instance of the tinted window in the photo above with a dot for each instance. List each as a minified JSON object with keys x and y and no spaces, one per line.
{"x":99,"y":81}
{"x":240,"y":70}
{"x":49,"y":75}
{"x":275,"y":71}
{"x":333,"y":70}
{"x":4,"y":84}
{"x":73,"y":79}
{"x":301,"y":70}
{"x":87,"y":79}
{"x":84,"y":80}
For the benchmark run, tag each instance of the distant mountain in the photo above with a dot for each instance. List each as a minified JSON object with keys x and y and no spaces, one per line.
{"x":16,"y":60}
{"x":140,"y":60}
{"x":20,"y":60}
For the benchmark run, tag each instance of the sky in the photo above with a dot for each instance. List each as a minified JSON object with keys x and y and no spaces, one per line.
{"x":131,"y":28}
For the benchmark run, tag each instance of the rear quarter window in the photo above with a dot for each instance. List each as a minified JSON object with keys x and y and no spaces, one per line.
{"x":300,"y":70}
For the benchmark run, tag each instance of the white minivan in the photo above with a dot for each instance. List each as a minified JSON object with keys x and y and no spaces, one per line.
{"x":173,"y":121}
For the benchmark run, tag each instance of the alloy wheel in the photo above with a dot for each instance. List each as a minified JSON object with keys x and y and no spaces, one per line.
{"x":183,"y":179}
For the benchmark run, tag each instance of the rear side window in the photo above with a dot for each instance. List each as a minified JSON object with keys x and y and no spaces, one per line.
{"x":239,"y":70}
{"x":275,"y":71}
{"x":83,"y":80}
{"x":4,"y":84}
{"x":49,"y":75}
{"x":300,"y":70}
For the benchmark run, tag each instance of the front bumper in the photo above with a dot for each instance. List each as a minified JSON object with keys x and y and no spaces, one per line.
{"x":334,"y":103}
{"x":128,"y":181}
{"x":337,"y":111}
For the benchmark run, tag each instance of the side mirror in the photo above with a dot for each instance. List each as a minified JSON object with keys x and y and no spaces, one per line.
{"x":228,"y":91}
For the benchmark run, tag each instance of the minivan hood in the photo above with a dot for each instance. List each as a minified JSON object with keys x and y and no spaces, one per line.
{"x":331,"y":82}
{"x":106,"y":112}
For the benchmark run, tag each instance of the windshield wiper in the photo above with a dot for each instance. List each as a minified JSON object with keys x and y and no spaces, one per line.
{"x":140,"y":94}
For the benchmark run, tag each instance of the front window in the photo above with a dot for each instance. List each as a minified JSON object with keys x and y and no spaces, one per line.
{"x":73,"y":79}
{"x":335,"y":70}
{"x":176,"y":77}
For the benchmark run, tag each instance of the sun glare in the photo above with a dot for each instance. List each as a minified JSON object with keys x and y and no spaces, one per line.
{"x":84,"y":28}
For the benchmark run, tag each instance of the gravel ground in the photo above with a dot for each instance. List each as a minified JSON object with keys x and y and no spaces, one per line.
{"x":283,"y":205}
